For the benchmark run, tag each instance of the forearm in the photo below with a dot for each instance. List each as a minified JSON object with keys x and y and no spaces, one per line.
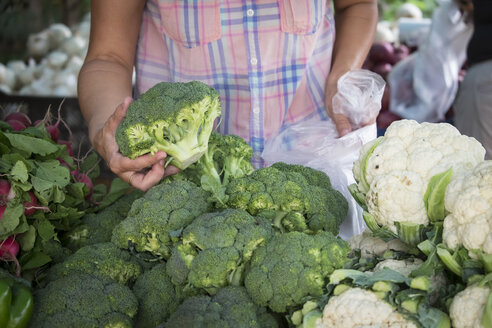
{"x":355,"y":28}
{"x":103,"y":85}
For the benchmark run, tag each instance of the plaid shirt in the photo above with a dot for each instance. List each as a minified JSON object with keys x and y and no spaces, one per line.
{"x":268,"y":59}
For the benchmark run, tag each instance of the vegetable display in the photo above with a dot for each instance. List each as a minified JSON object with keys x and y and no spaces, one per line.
{"x":223,"y":245}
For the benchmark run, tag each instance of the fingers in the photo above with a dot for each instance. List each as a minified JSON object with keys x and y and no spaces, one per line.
{"x":170,"y":170}
{"x":144,"y":181}
{"x":342,"y":124}
{"x":120,"y":163}
{"x":119,"y":114}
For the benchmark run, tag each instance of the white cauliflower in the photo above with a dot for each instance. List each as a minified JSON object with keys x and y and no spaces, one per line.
{"x":467,"y":307}
{"x":405,"y":267}
{"x":357,"y":308}
{"x":398,"y":170}
{"x":468,"y":200}
{"x":370,"y":245}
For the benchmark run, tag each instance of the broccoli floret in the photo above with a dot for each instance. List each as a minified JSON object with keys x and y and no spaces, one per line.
{"x":83,"y":301}
{"x":105,"y":260}
{"x":292,"y":267}
{"x":227,"y":157}
{"x":231,"y":307}
{"x":98,"y":228}
{"x":293,"y":197}
{"x":176,"y":117}
{"x":215,"y":248}
{"x":156,"y":296}
{"x":157,"y":218}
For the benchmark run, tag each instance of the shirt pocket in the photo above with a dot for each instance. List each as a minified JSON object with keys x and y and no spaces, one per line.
{"x":301,"y":16}
{"x":191,"y":23}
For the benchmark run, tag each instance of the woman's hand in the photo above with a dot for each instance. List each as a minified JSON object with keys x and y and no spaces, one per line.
{"x":133,"y":171}
{"x":341,"y":121}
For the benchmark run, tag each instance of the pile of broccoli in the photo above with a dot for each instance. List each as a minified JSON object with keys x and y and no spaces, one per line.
{"x":217,"y":245}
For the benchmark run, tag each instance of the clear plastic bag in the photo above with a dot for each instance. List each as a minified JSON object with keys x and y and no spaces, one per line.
{"x":424,"y":85}
{"x":316,"y":143}
{"x":359,"y":96}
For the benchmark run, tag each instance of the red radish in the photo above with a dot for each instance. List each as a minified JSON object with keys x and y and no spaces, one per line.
{"x":16,"y":125}
{"x":31,"y":206}
{"x":53,"y":131}
{"x":382,"y":69}
{"x":84,"y":178}
{"x":381,"y":52}
{"x":4,"y":191}
{"x":18,"y":116}
{"x":68,"y":144}
{"x":9,"y":248}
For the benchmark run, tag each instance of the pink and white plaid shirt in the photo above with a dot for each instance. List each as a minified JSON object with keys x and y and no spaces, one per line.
{"x":268,"y":59}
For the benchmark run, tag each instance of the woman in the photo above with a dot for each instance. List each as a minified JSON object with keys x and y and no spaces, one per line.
{"x":273,"y":62}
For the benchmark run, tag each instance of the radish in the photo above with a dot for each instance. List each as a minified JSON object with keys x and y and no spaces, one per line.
{"x":31,"y":206}
{"x":68,"y":144}
{"x":9,"y":248}
{"x":16,"y":125}
{"x":4,"y":192}
{"x":84,"y":178}
{"x":19,"y":116}
{"x":401,"y":52}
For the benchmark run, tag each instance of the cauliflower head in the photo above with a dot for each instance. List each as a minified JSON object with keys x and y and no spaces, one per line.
{"x":356,"y":308}
{"x":394,"y":171}
{"x":467,"y":307}
{"x":468,"y":200}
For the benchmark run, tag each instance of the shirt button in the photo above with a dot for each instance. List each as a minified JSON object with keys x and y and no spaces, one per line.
{"x":250,"y":12}
{"x":253,"y":61}
{"x":256,"y":110}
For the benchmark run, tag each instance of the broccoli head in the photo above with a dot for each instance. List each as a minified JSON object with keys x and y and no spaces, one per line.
{"x":231,"y":307}
{"x":98,"y":228}
{"x":104,"y":260}
{"x":292,"y":267}
{"x":177,"y":118}
{"x":156,"y":296}
{"x":159,"y":217}
{"x":83,"y":301}
{"x":294,"y":197}
{"x":215,"y":248}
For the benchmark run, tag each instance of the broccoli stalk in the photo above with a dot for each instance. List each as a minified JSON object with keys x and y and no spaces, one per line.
{"x":227,"y":157}
{"x":176,"y":118}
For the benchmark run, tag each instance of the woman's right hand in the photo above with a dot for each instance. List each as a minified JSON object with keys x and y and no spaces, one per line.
{"x":132,"y":171}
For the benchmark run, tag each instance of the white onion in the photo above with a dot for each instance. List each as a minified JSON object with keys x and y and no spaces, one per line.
{"x":74,"y":64}
{"x":16,"y":66}
{"x":83,"y":30}
{"x":74,"y":46}
{"x":384,"y":33}
{"x":408,"y":10}
{"x":5,"y":88}
{"x":38,"y":44}
{"x":57,"y":34}
{"x":40,"y":87}
{"x":27,"y":76}
{"x":2,"y":73}
{"x":62,"y":91}
{"x":10,"y":78}
{"x":57,"y":59}
{"x":47,"y":74}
